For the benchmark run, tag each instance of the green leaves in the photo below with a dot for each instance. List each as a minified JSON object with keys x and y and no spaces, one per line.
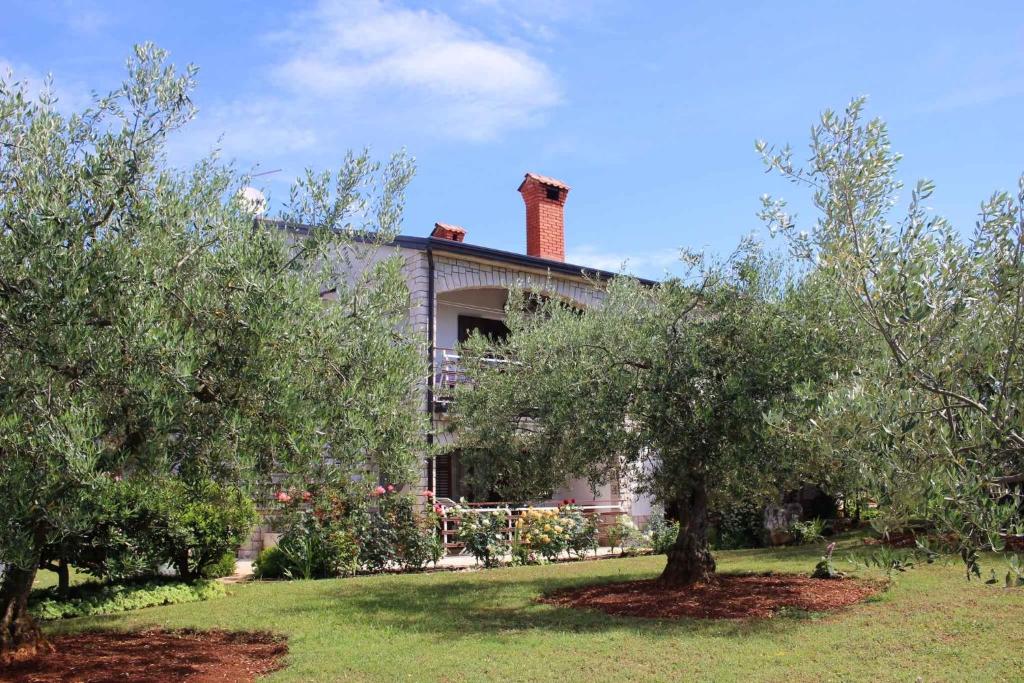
{"x":939,"y":381}
{"x":149,"y":329}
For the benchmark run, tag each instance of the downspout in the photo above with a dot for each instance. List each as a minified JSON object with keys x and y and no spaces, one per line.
{"x":432,"y":474}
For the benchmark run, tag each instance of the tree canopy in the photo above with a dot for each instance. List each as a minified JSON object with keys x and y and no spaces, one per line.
{"x":149,"y":328}
{"x":662,"y":386}
{"x":934,"y":413}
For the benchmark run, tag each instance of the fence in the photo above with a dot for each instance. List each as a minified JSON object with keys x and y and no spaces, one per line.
{"x":604,"y":514}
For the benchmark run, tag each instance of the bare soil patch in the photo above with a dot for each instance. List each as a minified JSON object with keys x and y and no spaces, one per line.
{"x":729,"y":596}
{"x":153,"y":655}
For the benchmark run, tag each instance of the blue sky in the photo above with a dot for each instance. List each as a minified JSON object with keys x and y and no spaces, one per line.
{"x":648,"y":110}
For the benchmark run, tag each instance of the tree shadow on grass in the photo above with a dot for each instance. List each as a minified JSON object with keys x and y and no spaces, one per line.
{"x":466,"y":605}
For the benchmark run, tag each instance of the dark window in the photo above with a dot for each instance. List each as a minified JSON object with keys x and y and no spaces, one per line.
{"x":494,"y":330}
{"x":445,"y":484}
{"x":554,"y":193}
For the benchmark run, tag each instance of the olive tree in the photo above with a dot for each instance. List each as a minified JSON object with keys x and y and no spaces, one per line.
{"x":661,"y":386}
{"x":935,"y":414}
{"x":149,"y":328}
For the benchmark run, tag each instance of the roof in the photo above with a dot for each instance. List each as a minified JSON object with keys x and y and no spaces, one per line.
{"x":545,"y":180}
{"x":463,"y":248}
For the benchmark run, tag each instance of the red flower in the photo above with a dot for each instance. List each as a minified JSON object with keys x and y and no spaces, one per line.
{"x":439,"y":509}
{"x":307,"y":496}
{"x":572,"y":501}
{"x":391,"y":489}
{"x":283,"y":497}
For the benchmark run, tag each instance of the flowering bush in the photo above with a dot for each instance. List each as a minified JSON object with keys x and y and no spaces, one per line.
{"x":484,"y":533}
{"x":397,"y":537}
{"x":320,"y":537}
{"x":623,"y":534}
{"x":542,"y":532}
{"x":582,"y":531}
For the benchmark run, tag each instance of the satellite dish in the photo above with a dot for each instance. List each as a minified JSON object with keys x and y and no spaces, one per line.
{"x":253,"y":201}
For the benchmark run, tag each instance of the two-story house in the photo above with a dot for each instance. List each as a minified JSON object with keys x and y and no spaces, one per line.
{"x":458,"y":287}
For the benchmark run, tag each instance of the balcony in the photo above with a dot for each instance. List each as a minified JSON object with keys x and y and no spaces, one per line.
{"x":449,"y":373}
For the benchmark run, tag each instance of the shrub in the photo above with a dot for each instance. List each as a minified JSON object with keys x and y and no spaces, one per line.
{"x":95,"y":599}
{"x":119,"y":543}
{"x":740,"y":524}
{"x":547,"y":533}
{"x":313,"y":548}
{"x":225,"y":566}
{"x":399,"y":538}
{"x":662,"y":533}
{"x":807,"y":532}
{"x":582,"y":531}
{"x":543,"y":532}
{"x":623,"y":533}
{"x":484,"y":533}
{"x":204,"y":521}
{"x":270,"y":564}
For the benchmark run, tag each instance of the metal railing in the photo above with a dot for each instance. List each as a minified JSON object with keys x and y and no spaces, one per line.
{"x":449,"y":373}
{"x":604,"y":514}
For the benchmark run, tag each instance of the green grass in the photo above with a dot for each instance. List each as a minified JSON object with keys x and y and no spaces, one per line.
{"x":487,"y":625}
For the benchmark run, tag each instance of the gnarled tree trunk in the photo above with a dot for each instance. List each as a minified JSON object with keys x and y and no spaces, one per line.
{"x":19,"y":634}
{"x":690,"y":559}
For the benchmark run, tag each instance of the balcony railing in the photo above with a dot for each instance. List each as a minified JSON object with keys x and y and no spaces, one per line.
{"x":449,"y":373}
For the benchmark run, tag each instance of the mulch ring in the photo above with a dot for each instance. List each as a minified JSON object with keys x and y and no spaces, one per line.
{"x":728,"y":596}
{"x":153,"y":655}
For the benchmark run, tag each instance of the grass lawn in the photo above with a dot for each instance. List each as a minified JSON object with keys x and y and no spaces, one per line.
{"x":486,"y":625}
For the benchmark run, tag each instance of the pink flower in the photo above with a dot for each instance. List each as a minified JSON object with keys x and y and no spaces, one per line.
{"x":439,"y":509}
{"x":391,"y":489}
{"x":307,"y":496}
{"x":429,"y":494}
{"x":283,"y":497}
{"x":379,"y":491}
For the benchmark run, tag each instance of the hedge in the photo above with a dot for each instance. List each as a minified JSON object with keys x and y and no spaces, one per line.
{"x":94,"y":599}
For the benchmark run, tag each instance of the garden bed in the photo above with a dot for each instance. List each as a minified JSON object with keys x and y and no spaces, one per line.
{"x":154,"y":655}
{"x":728,"y":596}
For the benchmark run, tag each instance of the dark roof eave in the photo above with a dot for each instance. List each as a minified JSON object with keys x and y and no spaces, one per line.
{"x":486,"y":253}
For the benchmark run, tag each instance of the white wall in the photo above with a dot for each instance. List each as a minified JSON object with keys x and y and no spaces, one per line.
{"x":481,"y":303}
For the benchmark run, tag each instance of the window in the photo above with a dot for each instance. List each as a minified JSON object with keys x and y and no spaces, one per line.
{"x":494,"y":330}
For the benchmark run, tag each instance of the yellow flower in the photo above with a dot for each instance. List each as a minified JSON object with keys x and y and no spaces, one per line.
{"x":547,"y":527}
{"x":558,"y":529}
{"x":544,"y":539}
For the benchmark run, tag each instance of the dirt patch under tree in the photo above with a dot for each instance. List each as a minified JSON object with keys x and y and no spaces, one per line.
{"x":151,"y":656}
{"x":729,"y":596}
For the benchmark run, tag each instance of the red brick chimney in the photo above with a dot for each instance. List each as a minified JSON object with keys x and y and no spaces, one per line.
{"x":447,"y":231}
{"x":545,"y":216}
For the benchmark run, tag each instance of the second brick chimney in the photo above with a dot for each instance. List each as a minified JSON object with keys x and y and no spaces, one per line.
{"x":545,"y":216}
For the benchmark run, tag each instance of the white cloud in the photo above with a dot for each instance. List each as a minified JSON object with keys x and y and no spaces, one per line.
{"x":70,"y":96}
{"x":248,"y":129}
{"x":653,"y":263}
{"x":423,"y":66}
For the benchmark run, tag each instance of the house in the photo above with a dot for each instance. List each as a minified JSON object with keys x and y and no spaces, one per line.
{"x":457,"y":288}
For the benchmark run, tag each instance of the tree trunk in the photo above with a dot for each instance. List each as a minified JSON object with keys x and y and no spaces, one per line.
{"x":690,"y":559}
{"x":63,"y":577}
{"x":19,"y":635}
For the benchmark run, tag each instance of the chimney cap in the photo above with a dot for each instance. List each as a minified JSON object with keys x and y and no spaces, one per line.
{"x":448,"y":231}
{"x":544,"y":180}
